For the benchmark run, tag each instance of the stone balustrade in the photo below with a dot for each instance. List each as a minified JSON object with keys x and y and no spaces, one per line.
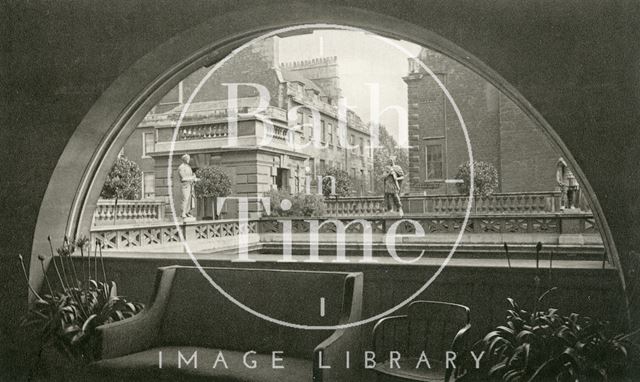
{"x":131,"y":236}
{"x":501,"y":203}
{"x":280,"y":133}
{"x":158,"y":234}
{"x":577,"y":223}
{"x":127,"y":211}
{"x":208,"y":131}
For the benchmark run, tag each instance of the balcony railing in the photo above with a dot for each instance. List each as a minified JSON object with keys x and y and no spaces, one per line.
{"x":208,"y":131}
{"x":127,"y":211}
{"x":502,"y":203}
{"x":157,"y":234}
{"x":580,"y":223}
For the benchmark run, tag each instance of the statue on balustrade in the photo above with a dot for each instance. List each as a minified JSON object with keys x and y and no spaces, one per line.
{"x":392,"y":181}
{"x":568,"y":184}
{"x":187,"y":179}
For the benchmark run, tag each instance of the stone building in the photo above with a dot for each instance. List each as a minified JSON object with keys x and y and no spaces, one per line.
{"x":499,"y":131}
{"x":264,"y":158}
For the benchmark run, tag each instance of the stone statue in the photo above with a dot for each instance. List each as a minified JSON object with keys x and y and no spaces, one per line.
{"x":568,"y":185}
{"x":392,"y":178}
{"x":187,"y":179}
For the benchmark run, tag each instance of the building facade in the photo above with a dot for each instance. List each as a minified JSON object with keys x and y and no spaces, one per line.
{"x":499,"y":132}
{"x":275,"y":146}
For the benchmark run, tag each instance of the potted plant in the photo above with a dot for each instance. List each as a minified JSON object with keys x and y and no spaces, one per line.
{"x":214,"y":183}
{"x":66,"y":312}
{"x":545,"y":345}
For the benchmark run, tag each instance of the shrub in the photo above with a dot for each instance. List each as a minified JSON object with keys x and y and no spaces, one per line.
{"x":301,"y":204}
{"x":123,"y":181}
{"x":214,"y":183}
{"x":485,"y":178}
{"x":343,"y":184}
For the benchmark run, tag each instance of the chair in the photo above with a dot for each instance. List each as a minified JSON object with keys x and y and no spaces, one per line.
{"x":189,"y":318}
{"x":431,"y":326}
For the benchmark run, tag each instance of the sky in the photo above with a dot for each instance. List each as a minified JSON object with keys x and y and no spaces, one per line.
{"x":362,"y":58}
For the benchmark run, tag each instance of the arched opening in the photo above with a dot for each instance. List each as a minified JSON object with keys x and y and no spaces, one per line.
{"x":106,"y":128}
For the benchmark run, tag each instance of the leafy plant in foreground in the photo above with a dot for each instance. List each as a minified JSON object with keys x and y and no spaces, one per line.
{"x":77,"y":302}
{"x":547,"y":346}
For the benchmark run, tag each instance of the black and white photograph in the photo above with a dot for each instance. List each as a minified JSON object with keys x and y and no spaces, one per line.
{"x":326,"y":191}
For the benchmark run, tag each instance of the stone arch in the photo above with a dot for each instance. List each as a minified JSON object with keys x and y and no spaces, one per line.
{"x":97,"y":139}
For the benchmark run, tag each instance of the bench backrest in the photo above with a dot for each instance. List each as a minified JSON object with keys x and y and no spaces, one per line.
{"x":198,"y":314}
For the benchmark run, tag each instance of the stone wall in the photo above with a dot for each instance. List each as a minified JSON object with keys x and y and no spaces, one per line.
{"x":499,"y":132}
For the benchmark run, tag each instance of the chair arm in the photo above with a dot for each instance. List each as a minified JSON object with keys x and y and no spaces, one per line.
{"x":380,"y":326}
{"x":456,"y":347}
{"x":138,"y":332}
{"x":462,"y":333}
{"x":332,"y":352}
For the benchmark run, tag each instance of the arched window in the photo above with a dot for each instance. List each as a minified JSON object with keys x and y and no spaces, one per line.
{"x":444,"y":102}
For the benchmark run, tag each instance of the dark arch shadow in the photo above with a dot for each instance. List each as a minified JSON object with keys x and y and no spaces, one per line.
{"x":76,"y":181}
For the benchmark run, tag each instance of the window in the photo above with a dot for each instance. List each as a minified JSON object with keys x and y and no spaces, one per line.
{"x":274,"y":178}
{"x":148,"y":185}
{"x":299,"y":122}
{"x":282,"y":179}
{"x":434,"y":161}
{"x":209,"y":108}
{"x":148,"y":144}
{"x":330,"y":135}
{"x":308,"y":126}
{"x":312,"y":167}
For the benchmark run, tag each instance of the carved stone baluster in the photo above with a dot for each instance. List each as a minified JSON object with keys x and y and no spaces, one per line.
{"x":518,"y":204}
{"x":109,"y":212}
{"x":99,"y":213}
